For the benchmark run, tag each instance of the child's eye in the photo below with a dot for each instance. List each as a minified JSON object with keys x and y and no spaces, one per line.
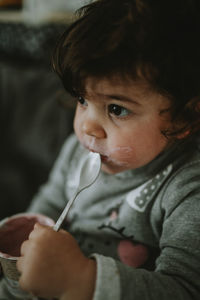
{"x":118,"y":110}
{"x":82,"y":101}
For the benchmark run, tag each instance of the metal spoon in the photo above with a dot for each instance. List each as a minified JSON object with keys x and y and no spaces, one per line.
{"x":89,"y":173}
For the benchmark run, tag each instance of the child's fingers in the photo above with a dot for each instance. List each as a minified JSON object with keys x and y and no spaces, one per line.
{"x":20,"y":264}
{"x":24,"y":247}
{"x":28,"y":286}
{"x":37,"y":229}
{"x":38,"y":225}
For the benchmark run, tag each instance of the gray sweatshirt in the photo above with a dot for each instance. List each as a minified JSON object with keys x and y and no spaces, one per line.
{"x":142,"y":226}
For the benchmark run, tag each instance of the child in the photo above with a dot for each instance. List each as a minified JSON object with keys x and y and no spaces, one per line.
{"x":134,"y":68}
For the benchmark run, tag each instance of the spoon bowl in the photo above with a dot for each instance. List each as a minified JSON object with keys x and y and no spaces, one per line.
{"x":89,"y":173}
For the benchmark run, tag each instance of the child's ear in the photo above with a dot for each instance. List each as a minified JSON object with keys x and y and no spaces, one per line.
{"x":183,"y":135}
{"x":193,"y":107}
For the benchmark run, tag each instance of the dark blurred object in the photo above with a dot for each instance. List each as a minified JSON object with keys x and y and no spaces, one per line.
{"x":11,"y":3}
{"x":29,"y":43}
{"x":33,"y":126}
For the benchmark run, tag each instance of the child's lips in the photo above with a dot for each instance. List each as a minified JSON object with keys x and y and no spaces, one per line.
{"x":104,"y":158}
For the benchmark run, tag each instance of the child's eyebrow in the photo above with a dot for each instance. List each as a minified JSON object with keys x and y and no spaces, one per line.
{"x":120,"y":98}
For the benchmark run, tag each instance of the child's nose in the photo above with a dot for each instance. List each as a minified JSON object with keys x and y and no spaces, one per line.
{"x":93,"y":128}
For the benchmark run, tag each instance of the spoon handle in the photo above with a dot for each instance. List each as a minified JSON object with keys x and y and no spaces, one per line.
{"x":91,"y":165}
{"x":65,"y":212}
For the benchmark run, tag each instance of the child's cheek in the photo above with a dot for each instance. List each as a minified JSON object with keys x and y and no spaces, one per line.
{"x":122,"y":153}
{"x":76,"y":122}
{"x":77,"y":127}
{"x":121,"y":156}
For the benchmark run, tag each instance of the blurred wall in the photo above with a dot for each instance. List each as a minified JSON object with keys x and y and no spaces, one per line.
{"x":33,"y":126}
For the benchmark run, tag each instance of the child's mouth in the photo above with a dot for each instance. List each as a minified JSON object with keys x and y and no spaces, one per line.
{"x":104,"y":158}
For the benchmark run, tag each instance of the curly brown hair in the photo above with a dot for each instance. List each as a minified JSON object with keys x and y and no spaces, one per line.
{"x":154,"y":40}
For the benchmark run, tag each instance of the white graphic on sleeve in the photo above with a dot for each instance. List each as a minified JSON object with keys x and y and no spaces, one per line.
{"x":141,"y":196}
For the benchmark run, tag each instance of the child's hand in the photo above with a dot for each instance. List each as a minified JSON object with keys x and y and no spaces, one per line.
{"x":52,"y":265}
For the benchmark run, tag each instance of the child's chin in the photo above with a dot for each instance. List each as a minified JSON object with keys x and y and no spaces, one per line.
{"x":108,"y":168}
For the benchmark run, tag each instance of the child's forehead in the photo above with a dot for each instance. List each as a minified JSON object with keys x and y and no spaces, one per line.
{"x":119,"y":85}
{"x":135,"y":91}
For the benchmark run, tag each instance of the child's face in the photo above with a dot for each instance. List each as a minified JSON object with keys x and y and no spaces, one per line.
{"x":122,"y":121}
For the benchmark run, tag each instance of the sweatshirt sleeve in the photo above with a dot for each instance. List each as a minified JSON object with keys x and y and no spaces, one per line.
{"x":9,"y":289}
{"x":51,"y":197}
{"x":177,"y":274}
{"x":49,"y":201}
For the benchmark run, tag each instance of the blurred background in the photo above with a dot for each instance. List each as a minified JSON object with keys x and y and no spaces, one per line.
{"x":33,"y":124}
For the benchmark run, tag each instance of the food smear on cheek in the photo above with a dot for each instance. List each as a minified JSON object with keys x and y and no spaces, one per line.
{"x":13,"y":233}
{"x":120,"y":155}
